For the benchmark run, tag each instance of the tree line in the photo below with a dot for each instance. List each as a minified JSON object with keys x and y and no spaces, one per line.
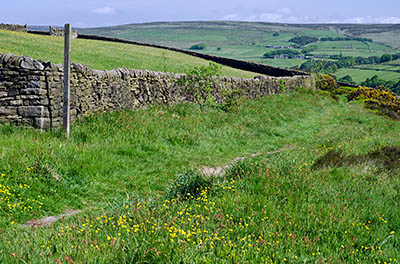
{"x":305,"y":40}
{"x":338,"y":61}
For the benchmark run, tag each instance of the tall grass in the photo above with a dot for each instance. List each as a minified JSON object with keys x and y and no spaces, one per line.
{"x":119,"y":168}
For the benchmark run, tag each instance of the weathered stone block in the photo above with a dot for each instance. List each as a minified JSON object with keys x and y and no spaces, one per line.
{"x":30,"y":97}
{"x":33,"y":91}
{"x":8,"y":110}
{"x":16,"y":103}
{"x":31,"y":111}
{"x":28,"y":63}
{"x":39,"y":101}
{"x":42,"y":123}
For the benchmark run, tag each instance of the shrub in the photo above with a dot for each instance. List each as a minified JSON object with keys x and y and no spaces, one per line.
{"x":326,"y":82}
{"x":233,"y":99}
{"x":199,"y":82}
{"x":303,"y":40}
{"x":384,"y":101}
{"x":200,"y":46}
{"x":347,"y":79}
{"x":188,"y":185}
{"x":287,"y":52}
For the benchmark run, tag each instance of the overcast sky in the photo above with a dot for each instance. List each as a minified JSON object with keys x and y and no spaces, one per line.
{"x":97,"y":13}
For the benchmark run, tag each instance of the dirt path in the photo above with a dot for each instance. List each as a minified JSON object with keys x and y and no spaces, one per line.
{"x":208,"y":171}
{"x":218,"y":171}
{"x":50,"y":219}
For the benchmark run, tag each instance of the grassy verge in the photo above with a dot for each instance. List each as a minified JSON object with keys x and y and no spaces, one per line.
{"x":103,"y":55}
{"x":289,"y":206}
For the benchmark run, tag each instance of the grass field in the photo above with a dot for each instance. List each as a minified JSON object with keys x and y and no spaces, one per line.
{"x":104,"y":55}
{"x":394,"y":62}
{"x":214,"y":33}
{"x":120,"y":170}
{"x":360,"y":75}
{"x":360,"y":49}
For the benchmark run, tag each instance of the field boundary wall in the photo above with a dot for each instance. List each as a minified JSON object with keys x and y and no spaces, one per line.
{"x":31,"y":91}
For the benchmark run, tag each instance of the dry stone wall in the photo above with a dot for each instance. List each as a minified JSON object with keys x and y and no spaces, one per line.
{"x":31,"y":91}
{"x":53,"y":31}
{"x":234,"y":63}
{"x":13,"y":27}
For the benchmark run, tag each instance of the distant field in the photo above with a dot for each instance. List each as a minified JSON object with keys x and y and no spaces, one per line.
{"x":348,"y":52}
{"x":359,"y":75}
{"x":389,"y":38}
{"x":387,"y":67}
{"x":185,"y":34}
{"x":282,"y":63}
{"x":394,"y":62}
{"x":104,"y":55}
{"x":247,"y":40}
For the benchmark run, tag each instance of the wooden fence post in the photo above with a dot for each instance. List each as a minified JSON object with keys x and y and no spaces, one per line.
{"x":67,"y":77}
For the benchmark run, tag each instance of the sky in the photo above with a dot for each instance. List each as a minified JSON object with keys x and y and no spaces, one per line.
{"x":98,"y":13}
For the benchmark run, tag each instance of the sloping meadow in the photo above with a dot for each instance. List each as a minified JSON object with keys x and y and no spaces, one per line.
{"x":134,"y":176}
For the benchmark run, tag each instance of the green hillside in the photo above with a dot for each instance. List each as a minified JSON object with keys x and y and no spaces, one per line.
{"x":103,"y":55}
{"x":248,"y":41}
{"x":323,"y":188}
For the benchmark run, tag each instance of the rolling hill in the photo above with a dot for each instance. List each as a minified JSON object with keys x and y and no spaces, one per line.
{"x":103,"y":55}
{"x":248,"y":40}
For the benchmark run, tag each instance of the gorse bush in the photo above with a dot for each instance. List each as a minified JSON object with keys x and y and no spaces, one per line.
{"x":326,"y":82}
{"x":384,"y":101}
{"x":188,"y":185}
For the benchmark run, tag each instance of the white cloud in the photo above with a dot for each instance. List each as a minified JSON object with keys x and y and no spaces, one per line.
{"x":109,"y":11}
{"x":286,"y":15}
{"x":373,"y":20}
{"x":271,"y":17}
{"x":388,"y":20}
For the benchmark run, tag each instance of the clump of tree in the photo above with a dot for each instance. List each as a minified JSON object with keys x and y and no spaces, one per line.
{"x":376,"y":82}
{"x":321,"y":66}
{"x":386,"y":58}
{"x":200,"y":46}
{"x":339,"y":61}
{"x":309,"y":49}
{"x":347,"y":79}
{"x":345,"y":39}
{"x":276,"y":34}
{"x":290,"y":53}
{"x":303,"y":40}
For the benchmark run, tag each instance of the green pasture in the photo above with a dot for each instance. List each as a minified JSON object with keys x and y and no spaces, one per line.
{"x":282,"y":63}
{"x":103,"y":55}
{"x":348,"y":52}
{"x":359,"y":75}
{"x":391,"y":38}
